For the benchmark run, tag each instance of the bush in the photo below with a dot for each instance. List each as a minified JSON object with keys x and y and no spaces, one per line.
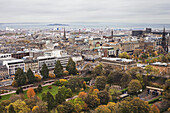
{"x":19,"y":90}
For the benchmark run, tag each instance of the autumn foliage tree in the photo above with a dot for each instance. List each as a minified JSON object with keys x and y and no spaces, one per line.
{"x":155,"y":109}
{"x":82,"y":95}
{"x":30,"y":93}
{"x":102,"y":109}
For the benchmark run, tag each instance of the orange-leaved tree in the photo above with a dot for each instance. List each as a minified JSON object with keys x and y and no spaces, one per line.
{"x":30,"y":93}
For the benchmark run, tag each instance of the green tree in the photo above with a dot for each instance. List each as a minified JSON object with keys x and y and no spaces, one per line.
{"x":134,"y":71}
{"x":104,"y":97}
{"x":134,"y":86}
{"x":75,"y":84}
{"x":20,"y":77}
{"x":50,"y":100}
{"x":98,"y":71}
{"x":11,"y":109}
{"x":44,"y":71}
{"x":115,"y":77}
{"x":19,"y":90}
{"x":126,"y":78}
{"x":39,"y":89}
{"x":58,"y":70}
{"x":30,"y":76}
{"x":71,"y":67}
{"x":60,"y":97}
{"x":100,"y":82}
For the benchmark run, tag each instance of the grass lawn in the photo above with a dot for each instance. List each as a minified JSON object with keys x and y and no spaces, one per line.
{"x":53,"y":91}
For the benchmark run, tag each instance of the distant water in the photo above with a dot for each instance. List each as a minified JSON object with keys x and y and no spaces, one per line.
{"x":87,"y":25}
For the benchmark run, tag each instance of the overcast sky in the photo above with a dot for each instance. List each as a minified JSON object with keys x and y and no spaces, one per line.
{"x":65,"y":11}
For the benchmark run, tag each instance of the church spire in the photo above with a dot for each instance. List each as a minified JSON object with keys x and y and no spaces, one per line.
{"x":64,"y":34}
{"x":164,"y":44}
{"x":112,"y":33}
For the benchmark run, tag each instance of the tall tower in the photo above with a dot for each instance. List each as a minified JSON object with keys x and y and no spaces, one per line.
{"x":64,"y":34}
{"x":164,"y":44}
{"x":112,"y":33}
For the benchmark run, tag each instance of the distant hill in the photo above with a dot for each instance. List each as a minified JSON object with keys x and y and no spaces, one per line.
{"x":58,"y":25}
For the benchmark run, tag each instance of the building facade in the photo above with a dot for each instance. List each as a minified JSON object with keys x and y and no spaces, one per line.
{"x":13,"y":65}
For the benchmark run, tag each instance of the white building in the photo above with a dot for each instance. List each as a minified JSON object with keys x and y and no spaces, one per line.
{"x":50,"y":58}
{"x":13,"y":65}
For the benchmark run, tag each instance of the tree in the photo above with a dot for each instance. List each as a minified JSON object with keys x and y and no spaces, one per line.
{"x":104,"y":97}
{"x":44,"y":71}
{"x":20,"y":77}
{"x":166,"y":95}
{"x":92,"y":101}
{"x":102,"y":109}
{"x":38,"y":77}
{"x":134,"y":71}
{"x":48,"y":97}
{"x":58,"y":70}
{"x":115,"y":77}
{"x":52,"y":75}
{"x":50,"y":101}
{"x":19,"y":90}
{"x":114,"y":93}
{"x":30,"y":93}
{"x":111,"y":106}
{"x":71,"y":67}
{"x":84,"y":85}
{"x":123,"y":107}
{"x":11,"y":109}
{"x":39,"y":89}
{"x":30,"y":102}
{"x":14,"y":98}
{"x":155,"y":109}
{"x":124,"y":81}
{"x":35,"y":108}
{"x":78,"y":103}
{"x":30,"y":76}
{"x":140,"y":106}
{"x":60,"y":97}
{"x":74,"y":84}
{"x":82,"y":95}
{"x":124,"y":55}
{"x":19,"y":107}
{"x":151,"y":70}
{"x":42,"y":107}
{"x":68,"y":107}
{"x":98,"y":70}
{"x":100,"y":82}
{"x":134,"y":86}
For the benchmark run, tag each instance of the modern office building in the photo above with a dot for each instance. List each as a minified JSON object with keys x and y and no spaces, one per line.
{"x":13,"y":65}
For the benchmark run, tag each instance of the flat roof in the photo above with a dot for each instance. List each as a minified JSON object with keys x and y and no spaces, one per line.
{"x":160,"y":63}
{"x":117,"y":59}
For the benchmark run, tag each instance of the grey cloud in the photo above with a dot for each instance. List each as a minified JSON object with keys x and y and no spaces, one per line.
{"x":144,"y":11}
